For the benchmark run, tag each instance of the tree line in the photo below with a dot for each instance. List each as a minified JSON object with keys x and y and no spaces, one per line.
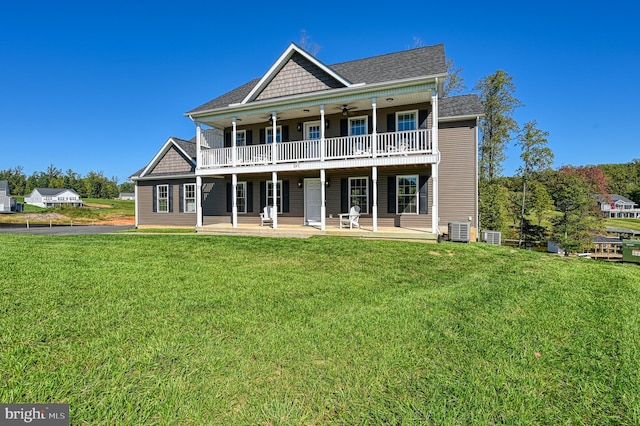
{"x":93,"y":185}
{"x":567,"y":198}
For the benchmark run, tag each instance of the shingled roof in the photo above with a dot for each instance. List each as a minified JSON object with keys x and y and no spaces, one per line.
{"x":420,"y":62}
{"x":460,"y":106}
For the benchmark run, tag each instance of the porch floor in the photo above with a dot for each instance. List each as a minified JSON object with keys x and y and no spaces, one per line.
{"x":299,"y":231}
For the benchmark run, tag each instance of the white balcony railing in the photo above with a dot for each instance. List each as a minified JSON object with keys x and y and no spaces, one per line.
{"x":341,"y":148}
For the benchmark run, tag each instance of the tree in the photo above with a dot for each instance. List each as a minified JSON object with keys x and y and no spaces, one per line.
{"x":306,"y":44}
{"x":536,"y":157}
{"x":539,"y":200}
{"x":454,"y":83}
{"x":573,"y":192}
{"x":497,"y":127}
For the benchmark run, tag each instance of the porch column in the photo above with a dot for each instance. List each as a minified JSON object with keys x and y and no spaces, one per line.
{"x":234,"y":136}
{"x":435,"y":219}
{"x":234,"y":204}
{"x":136,"y":202}
{"x":374,"y":134}
{"x":198,"y":201}
{"x":274,"y":178}
{"x":273,"y":145}
{"x":374,"y":193}
{"x":198,"y":143}
{"x":322,"y":142}
{"x":323,"y":207}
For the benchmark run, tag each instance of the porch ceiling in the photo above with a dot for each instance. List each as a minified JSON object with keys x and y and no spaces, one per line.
{"x":309,"y":110}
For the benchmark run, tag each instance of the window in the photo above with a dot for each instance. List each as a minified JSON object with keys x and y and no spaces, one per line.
{"x":358,"y":126}
{"x":406,"y":121}
{"x":278,"y":194}
{"x":190,"y":197}
{"x":241,"y":137}
{"x":359,"y":193}
{"x":312,"y":130}
{"x":407,"y":194}
{"x":241,"y":197}
{"x":269,"y":133}
{"x":162,"y":199}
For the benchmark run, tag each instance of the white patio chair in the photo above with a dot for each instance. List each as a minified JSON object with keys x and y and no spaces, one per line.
{"x":352,"y":218}
{"x":266,"y":216}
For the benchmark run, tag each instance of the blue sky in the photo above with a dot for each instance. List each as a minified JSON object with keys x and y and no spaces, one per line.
{"x":101,"y":85}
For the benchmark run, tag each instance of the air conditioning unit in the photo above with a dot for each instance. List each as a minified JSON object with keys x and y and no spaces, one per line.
{"x":459,"y":232}
{"x":492,"y":237}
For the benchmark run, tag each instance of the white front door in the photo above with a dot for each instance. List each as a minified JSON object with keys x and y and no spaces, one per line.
{"x":312,"y":201}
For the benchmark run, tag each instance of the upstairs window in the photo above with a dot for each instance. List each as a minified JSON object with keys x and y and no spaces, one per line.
{"x":358,"y":126}
{"x":269,"y":133}
{"x":241,"y":137}
{"x":406,"y":120}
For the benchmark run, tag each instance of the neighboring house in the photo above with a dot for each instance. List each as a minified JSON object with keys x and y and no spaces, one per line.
{"x":312,"y":140}
{"x":53,"y":197}
{"x":619,"y":208}
{"x":7,"y":203}
{"x":127,"y":196}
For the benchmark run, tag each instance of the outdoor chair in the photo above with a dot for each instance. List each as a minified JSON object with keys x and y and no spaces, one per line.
{"x":266,"y":216}
{"x":350,"y":218}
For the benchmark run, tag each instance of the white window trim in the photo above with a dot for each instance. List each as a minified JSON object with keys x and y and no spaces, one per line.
{"x":243,"y":184}
{"x":366,"y":123}
{"x":158,"y":198}
{"x":417,"y":177}
{"x":185,"y":198}
{"x":415,"y":119}
{"x":268,"y":130}
{"x":363,"y":209}
{"x":279,"y":184}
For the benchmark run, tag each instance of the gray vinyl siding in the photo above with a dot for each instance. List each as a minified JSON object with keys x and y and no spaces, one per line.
{"x":146,"y":215}
{"x":457,"y":172}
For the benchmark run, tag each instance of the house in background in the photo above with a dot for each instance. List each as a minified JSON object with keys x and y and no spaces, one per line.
{"x":619,"y":208}
{"x":7,"y":203}
{"x":53,"y":197}
{"x":127,"y":196}
{"x":312,"y":140}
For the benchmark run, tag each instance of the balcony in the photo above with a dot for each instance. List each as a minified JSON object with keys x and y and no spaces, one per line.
{"x":344,"y":148}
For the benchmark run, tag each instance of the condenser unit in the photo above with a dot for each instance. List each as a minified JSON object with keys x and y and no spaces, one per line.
{"x":459,"y":232}
{"x":492,"y":237}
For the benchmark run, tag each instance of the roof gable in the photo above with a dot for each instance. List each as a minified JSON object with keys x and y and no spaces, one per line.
{"x":299,"y":71}
{"x":176,"y":157}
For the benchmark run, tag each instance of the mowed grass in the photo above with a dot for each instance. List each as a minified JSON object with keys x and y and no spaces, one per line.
{"x":194,"y":330}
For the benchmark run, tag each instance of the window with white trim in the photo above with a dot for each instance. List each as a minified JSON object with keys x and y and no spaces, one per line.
{"x":406,"y":120}
{"x":269,"y":134}
{"x":241,"y":197}
{"x":162,"y":198}
{"x":359,"y":193}
{"x":407,"y":194}
{"x":358,"y":125}
{"x":278,"y":194}
{"x":189,"y":197}
{"x":241,"y":138}
{"x":312,"y":130}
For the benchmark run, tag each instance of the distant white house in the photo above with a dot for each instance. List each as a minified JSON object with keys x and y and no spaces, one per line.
{"x":53,"y":197}
{"x":620,"y":208}
{"x":7,"y":203}
{"x":127,"y":196}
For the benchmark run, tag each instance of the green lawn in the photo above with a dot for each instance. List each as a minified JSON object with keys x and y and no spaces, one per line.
{"x":633,"y":224}
{"x":193,"y":330}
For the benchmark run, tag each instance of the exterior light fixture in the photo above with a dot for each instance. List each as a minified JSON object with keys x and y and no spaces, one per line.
{"x":299,"y":183}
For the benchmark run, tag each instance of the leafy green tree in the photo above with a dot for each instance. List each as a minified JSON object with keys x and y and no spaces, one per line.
{"x":495,"y":205}
{"x":580,"y":219}
{"x":454,"y":83}
{"x":540,"y":201}
{"x":536,"y":157}
{"x":126,"y":187}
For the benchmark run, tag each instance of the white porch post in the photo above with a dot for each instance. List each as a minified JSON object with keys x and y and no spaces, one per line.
{"x":374,"y":134}
{"x":198,"y":143}
{"x":198,"y":201}
{"x":136,"y":202}
{"x":273,"y":144}
{"x":234,"y":204}
{"x":323,"y":207}
{"x":435,"y":219}
{"x":274,"y":178}
{"x":234,"y":133}
{"x":322,"y":144}
{"x":374,"y":191}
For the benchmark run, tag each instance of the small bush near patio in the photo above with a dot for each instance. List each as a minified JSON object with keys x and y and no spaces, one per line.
{"x":192,"y":330}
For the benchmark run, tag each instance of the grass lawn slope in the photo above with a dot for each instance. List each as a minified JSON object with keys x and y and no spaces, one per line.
{"x":194,"y":330}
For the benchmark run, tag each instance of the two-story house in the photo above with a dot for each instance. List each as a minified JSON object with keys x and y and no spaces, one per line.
{"x":620,"y":207}
{"x":7,"y":202}
{"x":313,"y":140}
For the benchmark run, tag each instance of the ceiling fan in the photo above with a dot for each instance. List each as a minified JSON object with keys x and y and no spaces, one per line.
{"x":346,"y":109}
